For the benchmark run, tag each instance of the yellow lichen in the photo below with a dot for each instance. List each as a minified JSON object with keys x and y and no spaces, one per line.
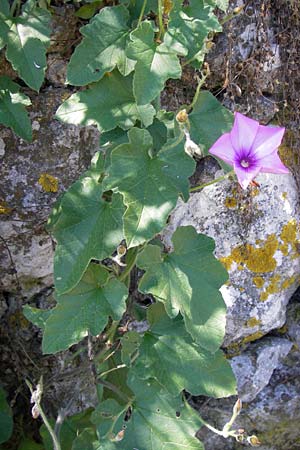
{"x":253,"y":337}
{"x":284,"y":195}
{"x":258,"y":281}
{"x":288,"y":282}
{"x":284,"y":248}
{"x":272,"y":288}
{"x":253,"y":322}
{"x":258,"y":260}
{"x":48,"y":182}
{"x":4,"y":208}
{"x":230,"y":202}
{"x":288,"y":233}
{"x":264,"y":296}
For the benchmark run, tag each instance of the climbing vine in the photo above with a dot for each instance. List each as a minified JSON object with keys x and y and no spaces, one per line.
{"x":107,"y":225}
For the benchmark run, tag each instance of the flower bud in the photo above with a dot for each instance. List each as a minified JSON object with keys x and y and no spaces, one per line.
{"x":253,"y":441}
{"x":182,"y":116}
{"x":237,"y":407}
{"x":121,"y":250}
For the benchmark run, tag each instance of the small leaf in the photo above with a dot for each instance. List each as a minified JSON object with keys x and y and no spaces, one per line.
{"x":85,"y":309}
{"x":86,"y":440}
{"x":37,"y":316}
{"x":150,"y":185}
{"x":130,"y":344}
{"x":135,"y":7}
{"x":6,"y":421}
{"x":106,"y":415}
{"x":108,"y":104}
{"x":188,"y":281}
{"x":209,"y":120}
{"x":12,"y":111}
{"x":86,"y":227}
{"x":189,"y":27}
{"x":87,"y":11}
{"x":155,"y":64}
{"x":102,"y":48}
{"x":28,"y":39}
{"x":221,"y":4}
{"x":168,"y":354}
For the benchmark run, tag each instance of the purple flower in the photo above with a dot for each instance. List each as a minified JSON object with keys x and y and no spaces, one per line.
{"x":250,"y":148}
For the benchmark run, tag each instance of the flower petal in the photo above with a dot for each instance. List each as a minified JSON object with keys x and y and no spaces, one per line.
{"x":223,"y":149}
{"x":272,"y":164}
{"x":245,"y":176}
{"x":267,"y":140}
{"x":243,"y":132}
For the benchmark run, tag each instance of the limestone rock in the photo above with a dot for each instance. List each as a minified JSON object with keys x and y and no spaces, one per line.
{"x":33,"y":175}
{"x":256,"y":236}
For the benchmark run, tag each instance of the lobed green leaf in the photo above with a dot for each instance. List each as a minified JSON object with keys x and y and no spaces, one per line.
{"x":150,"y":184}
{"x":188,"y":281}
{"x":109,"y":103}
{"x":84,"y":310}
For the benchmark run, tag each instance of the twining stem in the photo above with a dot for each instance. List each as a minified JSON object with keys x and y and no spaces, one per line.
{"x":142,"y":13}
{"x":216,"y":180}
{"x":176,"y":142}
{"x":160,"y":21}
{"x":201,"y":81}
{"x":114,"y":389}
{"x":130,"y":263}
{"x":37,"y":400}
{"x":120,"y":366}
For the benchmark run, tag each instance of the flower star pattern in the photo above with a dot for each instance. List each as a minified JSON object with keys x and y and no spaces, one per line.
{"x":250,"y":148}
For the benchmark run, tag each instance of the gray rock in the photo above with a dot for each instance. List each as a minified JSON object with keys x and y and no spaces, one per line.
{"x":58,"y":150}
{"x":256,"y":238}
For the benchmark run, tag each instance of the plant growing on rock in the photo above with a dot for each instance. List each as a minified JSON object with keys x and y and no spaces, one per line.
{"x":107,"y":225}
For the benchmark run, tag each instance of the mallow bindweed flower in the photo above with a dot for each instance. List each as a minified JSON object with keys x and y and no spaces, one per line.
{"x":250,"y":148}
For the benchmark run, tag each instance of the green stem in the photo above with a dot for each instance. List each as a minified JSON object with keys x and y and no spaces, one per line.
{"x":15,"y":6}
{"x":142,"y":13}
{"x":201,"y":81}
{"x":201,"y":186}
{"x":160,"y":21}
{"x":115,"y":389}
{"x":130,"y":263}
{"x":176,"y":142}
{"x":120,"y":366}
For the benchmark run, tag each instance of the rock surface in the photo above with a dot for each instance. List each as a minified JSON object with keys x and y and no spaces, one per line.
{"x":256,"y":236}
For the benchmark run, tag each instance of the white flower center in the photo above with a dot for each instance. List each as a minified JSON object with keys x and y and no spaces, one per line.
{"x":245,"y":163}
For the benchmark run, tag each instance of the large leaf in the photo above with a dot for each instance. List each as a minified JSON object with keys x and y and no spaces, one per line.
{"x":6,"y":421}
{"x":85,"y":309}
{"x":136,"y":7}
{"x":209,"y":120}
{"x":168,"y":354}
{"x":4,"y":30}
{"x":108,"y":103}
{"x":86,"y":226}
{"x":188,"y":28}
{"x":155,"y":64}
{"x":27,"y":42}
{"x":37,"y":316}
{"x":102,"y":48}
{"x":149,"y":184}
{"x":158,"y":421}
{"x":188,"y":281}
{"x":12,"y":111}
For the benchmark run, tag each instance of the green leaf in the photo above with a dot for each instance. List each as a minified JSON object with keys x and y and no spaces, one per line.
{"x":27,"y":42}
{"x":108,"y":104}
{"x":155,"y":64}
{"x":4,"y":30}
{"x":37,"y":316}
{"x":12,"y":111}
{"x":106,"y":415}
{"x":188,"y":29}
{"x":4,"y":7}
{"x":6,"y":421}
{"x":86,"y":440}
{"x":150,"y":185}
{"x":135,"y":7}
{"x":70,"y":428}
{"x":87,"y":11}
{"x":130,"y":344}
{"x":208,"y":121}
{"x":85,"y":309}
{"x":85,"y":226}
{"x":168,"y":354}
{"x":158,"y":421}
{"x":29,"y":444}
{"x":221,"y":4}
{"x":102,"y":48}
{"x":188,"y":281}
